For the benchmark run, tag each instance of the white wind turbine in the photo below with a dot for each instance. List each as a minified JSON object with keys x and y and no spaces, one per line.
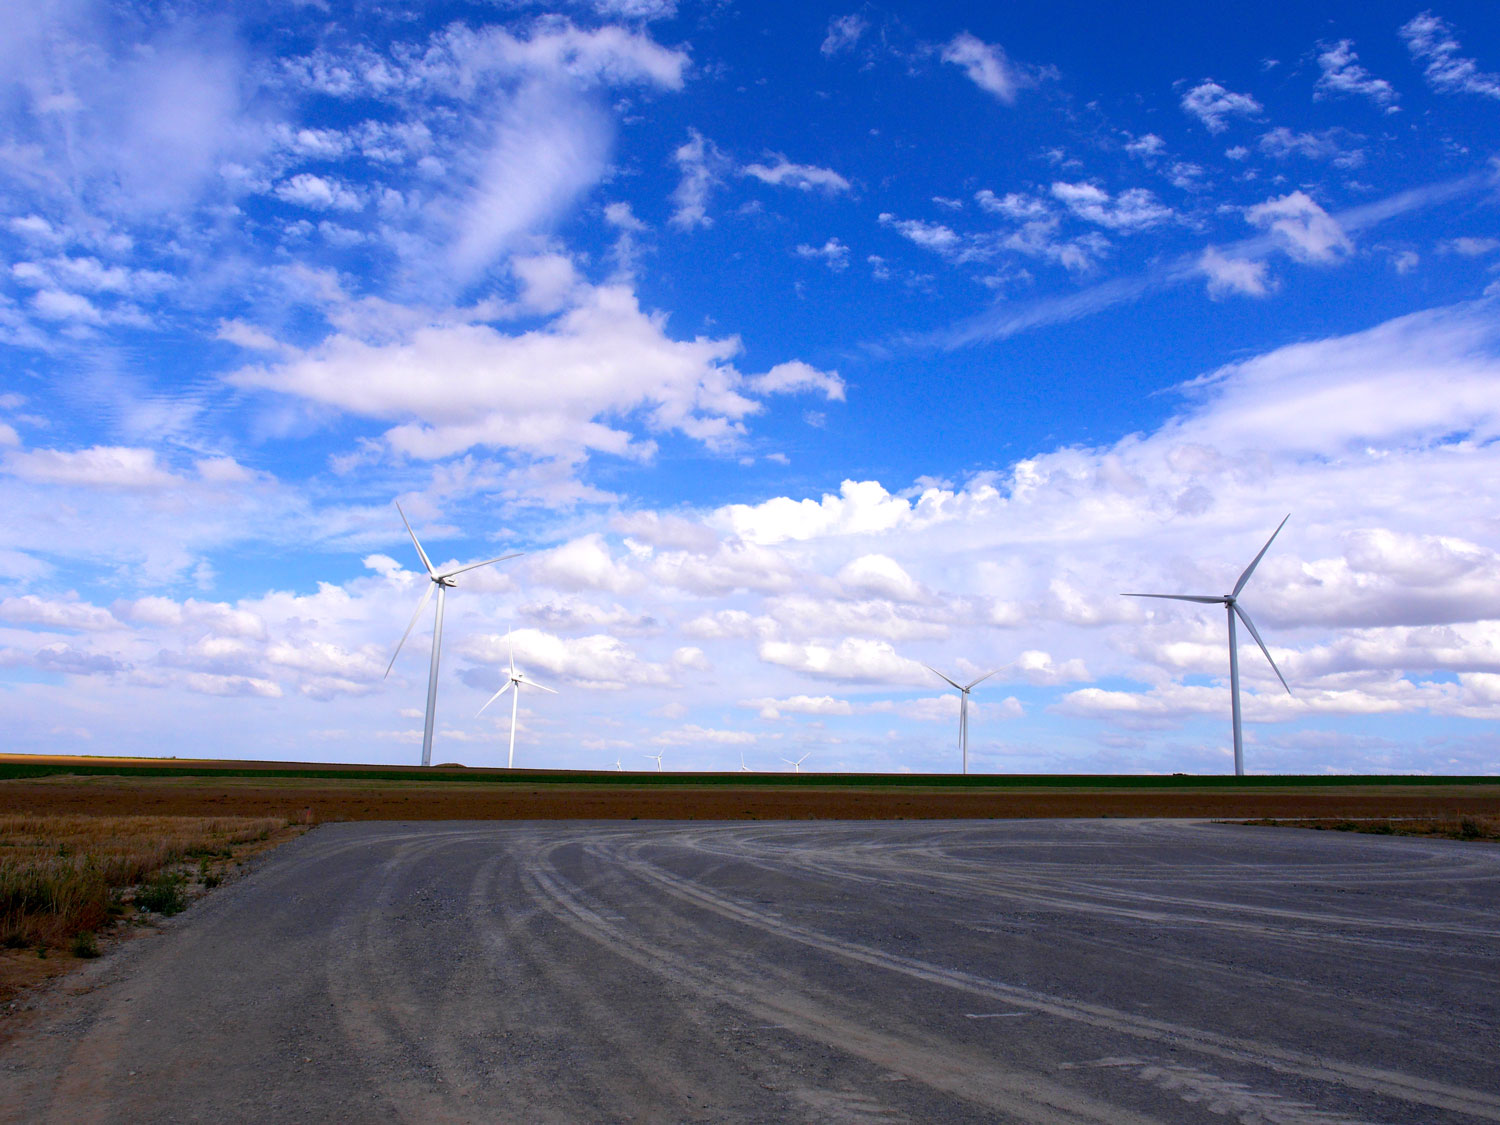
{"x":657,"y":759}
{"x":441,"y":583}
{"x":618,"y":765}
{"x":797,"y":765}
{"x":515,"y":680}
{"x":1230,"y":602}
{"x":744,"y":768}
{"x":963,"y":708}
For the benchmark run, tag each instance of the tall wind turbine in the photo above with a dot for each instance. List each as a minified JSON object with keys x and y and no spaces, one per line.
{"x":744,"y":768}
{"x":797,"y":765}
{"x":963,"y":708}
{"x":441,"y":583}
{"x":657,"y":759}
{"x":1232,"y":607}
{"x":515,"y":681}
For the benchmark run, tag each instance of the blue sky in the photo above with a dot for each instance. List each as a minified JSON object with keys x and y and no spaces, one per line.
{"x":797,"y":346}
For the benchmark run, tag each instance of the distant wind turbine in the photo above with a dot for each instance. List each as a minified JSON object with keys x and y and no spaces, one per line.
{"x":618,"y":765}
{"x":963,"y":708}
{"x":441,"y":583}
{"x":744,"y":768}
{"x":657,"y":759}
{"x":797,"y":765}
{"x":1232,"y":607}
{"x":515,"y":681}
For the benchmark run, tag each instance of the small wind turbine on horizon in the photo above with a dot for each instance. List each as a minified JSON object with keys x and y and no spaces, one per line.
{"x":442,"y":583}
{"x":797,"y":765}
{"x":744,"y":768}
{"x":515,"y":680}
{"x":1232,"y":607}
{"x":657,"y":759}
{"x":963,"y":708}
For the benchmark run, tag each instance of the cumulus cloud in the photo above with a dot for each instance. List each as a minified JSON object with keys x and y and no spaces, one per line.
{"x":1227,"y":275}
{"x":843,"y":33}
{"x":795,"y":377}
{"x":1132,"y":210}
{"x":701,"y":165}
{"x":855,"y":660}
{"x":1212,"y":104}
{"x":781,"y":172}
{"x":1431,"y":40}
{"x":1304,"y":230}
{"x":985,"y":64}
{"x":833,"y":253}
{"x":1342,"y":74}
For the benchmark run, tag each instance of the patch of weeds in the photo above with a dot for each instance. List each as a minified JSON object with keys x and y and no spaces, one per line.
{"x":84,"y":944}
{"x":165,"y":894}
{"x":14,"y":939}
{"x":209,"y":879}
{"x":1469,"y":828}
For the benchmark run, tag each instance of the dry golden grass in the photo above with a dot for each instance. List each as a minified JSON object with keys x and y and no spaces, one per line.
{"x":58,"y":873}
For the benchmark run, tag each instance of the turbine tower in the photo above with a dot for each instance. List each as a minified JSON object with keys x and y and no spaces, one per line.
{"x":441,"y":583}
{"x":963,"y":708}
{"x":1232,"y":607}
{"x":515,"y":681}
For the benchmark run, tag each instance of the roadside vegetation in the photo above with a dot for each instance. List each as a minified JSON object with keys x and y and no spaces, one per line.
{"x":1444,"y":827}
{"x":65,"y":879}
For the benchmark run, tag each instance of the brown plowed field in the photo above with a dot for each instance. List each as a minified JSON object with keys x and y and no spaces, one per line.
{"x":329,"y":799}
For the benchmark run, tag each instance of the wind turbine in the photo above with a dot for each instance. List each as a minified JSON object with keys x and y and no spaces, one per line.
{"x":618,"y":765}
{"x":441,"y":583}
{"x":744,"y":768}
{"x":515,"y":681}
{"x":797,"y":765}
{"x":657,"y":759}
{"x":963,"y":708}
{"x":1232,"y":607}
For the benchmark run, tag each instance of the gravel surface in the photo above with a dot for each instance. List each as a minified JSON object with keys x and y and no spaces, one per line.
{"x":1033,"y":971}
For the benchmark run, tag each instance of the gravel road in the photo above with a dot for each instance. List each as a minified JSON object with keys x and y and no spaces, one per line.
{"x":1029,"y":971}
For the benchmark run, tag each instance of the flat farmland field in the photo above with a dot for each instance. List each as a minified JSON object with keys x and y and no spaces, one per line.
{"x":315,"y":793}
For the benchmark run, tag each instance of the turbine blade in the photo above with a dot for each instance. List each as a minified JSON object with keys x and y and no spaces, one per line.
{"x":421,"y":605}
{"x":940,"y":676}
{"x":492,"y":698}
{"x":418,"y":546}
{"x":532,"y":683}
{"x":1206,"y":599}
{"x":1245,"y":617}
{"x":476,"y":566}
{"x":511,"y":643}
{"x":1249,"y":570}
{"x":975,"y":683}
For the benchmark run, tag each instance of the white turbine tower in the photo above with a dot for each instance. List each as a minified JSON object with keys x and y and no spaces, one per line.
{"x":744,"y":768}
{"x":657,"y":759}
{"x":618,"y":765}
{"x":440,"y":583}
{"x":797,"y":765}
{"x":963,"y":708}
{"x":515,"y":680}
{"x":1230,"y":602}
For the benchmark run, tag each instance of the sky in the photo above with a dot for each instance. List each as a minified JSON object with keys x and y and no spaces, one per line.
{"x":796,"y":346}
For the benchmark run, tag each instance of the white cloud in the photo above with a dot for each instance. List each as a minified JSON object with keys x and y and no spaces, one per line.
{"x":318,"y":193}
{"x":1211,"y":103}
{"x":555,"y":391}
{"x":1132,"y":210}
{"x":69,"y":613}
{"x":843,"y":33}
{"x":1470,"y":247}
{"x":1342,"y":74}
{"x":1281,"y":143}
{"x":1306,"y":231}
{"x":1013,"y":205}
{"x":1226,"y":275}
{"x":860,"y":506}
{"x":701,"y":164}
{"x":985,"y":64}
{"x":804,"y":177}
{"x":1431,"y":40}
{"x":771,"y":708}
{"x":852,"y":660}
{"x":881,"y":576}
{"x":596,"y":662}
{"x":833,"y":253}
{"x":101,"y":466}
{"x":794,"y":377}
